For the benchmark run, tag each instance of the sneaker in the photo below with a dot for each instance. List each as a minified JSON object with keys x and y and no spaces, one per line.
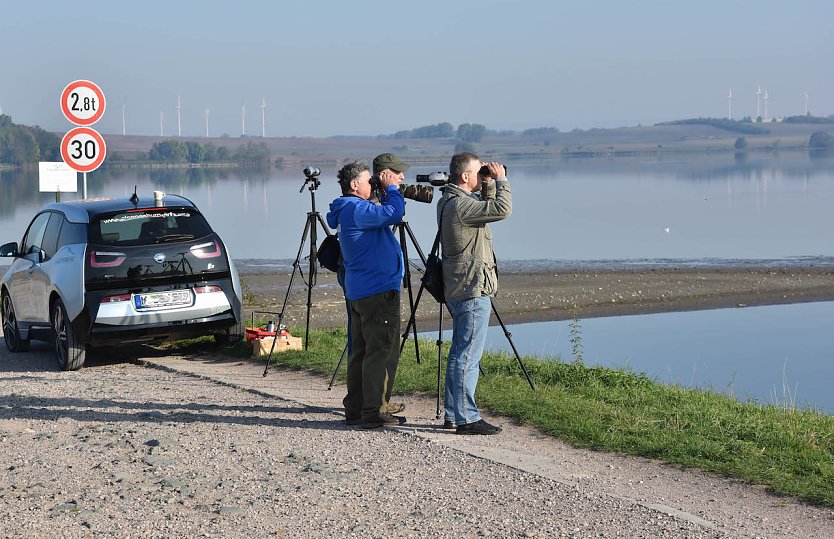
{"x":448,"y":424}
{"x":394,"y":407}
{"x":380,"y":420}
{"x":478,"y":427}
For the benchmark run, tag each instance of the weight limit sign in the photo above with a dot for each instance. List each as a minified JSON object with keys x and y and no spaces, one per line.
{"x":82,"y":102}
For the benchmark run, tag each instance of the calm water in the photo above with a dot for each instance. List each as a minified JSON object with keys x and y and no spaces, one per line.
{"x":774,"y":354}
{"x":763,"y":208}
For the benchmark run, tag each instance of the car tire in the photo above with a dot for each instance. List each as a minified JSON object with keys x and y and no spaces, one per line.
{"x":69,"y":351}
{"x":11,"y":330}
{"x":233,"y":335}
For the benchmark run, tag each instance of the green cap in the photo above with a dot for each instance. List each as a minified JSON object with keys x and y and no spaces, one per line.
{"x":389,"y":160}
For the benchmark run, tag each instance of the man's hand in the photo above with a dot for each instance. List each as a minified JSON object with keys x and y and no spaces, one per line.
{"x":496,"y":170}
{"x":388,"y":178}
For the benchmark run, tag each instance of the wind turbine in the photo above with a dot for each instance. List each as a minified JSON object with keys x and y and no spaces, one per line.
{"x":207,"y":116}
{"x":1,"y":110}
{"x":758,"y":105}
{"x":806,"y":104}
{"x":263,"y":118}
{"x":179,"y":118}
{"x":124,"y":131}
{"x":242,"y":120}
{"x":730,"y":105}
{"x":765,"y":103}
{"x":161,"y":123}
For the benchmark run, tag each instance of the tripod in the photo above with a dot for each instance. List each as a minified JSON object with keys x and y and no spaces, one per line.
{"x":404,"y":232}
{"x":412,"y":322}
{"x":313,"y":217}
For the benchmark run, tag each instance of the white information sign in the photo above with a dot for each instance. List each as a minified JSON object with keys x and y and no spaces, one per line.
{"x":57,"y":177}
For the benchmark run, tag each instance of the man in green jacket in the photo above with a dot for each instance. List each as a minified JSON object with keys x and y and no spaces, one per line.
{"x":470,"y":278}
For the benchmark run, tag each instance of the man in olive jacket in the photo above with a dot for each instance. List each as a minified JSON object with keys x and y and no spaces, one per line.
{"x":470,"y":278}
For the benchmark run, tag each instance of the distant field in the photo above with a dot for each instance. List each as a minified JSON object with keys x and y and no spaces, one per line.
{"x":668,"y":139}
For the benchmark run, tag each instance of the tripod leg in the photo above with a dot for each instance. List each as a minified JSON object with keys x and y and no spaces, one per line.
{"x":512,"y":345}
{"x":407,"y":283}
{"x":338,"y":365}
{"x":295,"y":267}
{"x":439,"y":355}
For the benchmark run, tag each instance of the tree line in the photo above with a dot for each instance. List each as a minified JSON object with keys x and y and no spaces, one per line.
{"x":22,"y":144}
{"x":465,"y":132}
{"x":172,"y":151}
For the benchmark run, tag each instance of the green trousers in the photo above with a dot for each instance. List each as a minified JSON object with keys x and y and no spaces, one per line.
{"x":375,"y":353}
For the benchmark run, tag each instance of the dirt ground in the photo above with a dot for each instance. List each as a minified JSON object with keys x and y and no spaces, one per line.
{"x":562,"y":295}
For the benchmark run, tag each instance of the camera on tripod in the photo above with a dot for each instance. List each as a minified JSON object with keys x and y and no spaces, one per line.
{"x":438,"y":179}
{"x":311,"y":171}
{"x":420,"y":193}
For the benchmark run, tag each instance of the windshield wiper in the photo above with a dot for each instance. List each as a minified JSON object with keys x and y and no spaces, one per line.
{"x":174,"y":237}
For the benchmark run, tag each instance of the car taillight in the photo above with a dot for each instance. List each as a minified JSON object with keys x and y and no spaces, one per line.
{"x":105,"y":259}
{"x":207,"y":289}
{"x":204,"y":250}
{"x":116,"y":299}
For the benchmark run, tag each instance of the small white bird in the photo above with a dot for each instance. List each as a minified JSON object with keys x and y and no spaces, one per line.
{"x":668,"y":229}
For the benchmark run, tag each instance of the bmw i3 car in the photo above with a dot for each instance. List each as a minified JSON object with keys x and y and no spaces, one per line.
{"x":118,"y":270}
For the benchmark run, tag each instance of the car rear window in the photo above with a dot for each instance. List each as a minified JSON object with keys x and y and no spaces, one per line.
{"x":146,"y":227}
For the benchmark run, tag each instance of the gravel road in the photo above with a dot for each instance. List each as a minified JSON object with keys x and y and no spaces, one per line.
{"x":167,"y":446}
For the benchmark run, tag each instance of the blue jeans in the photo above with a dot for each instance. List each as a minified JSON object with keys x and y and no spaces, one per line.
{"x":470,"y":320}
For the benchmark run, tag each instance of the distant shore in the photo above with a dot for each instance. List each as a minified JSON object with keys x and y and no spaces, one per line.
{"x":547,"y":295}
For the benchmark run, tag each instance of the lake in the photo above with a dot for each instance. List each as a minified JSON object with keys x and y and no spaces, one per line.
{"x":709,"y":210}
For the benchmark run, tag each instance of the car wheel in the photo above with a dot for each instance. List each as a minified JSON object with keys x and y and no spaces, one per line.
{"x":68,"y":349}
{"x":233,"y":335}
{"x":11,"y":331}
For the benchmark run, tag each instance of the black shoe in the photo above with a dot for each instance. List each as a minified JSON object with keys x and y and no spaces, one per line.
{"x":380,"y":420}
{"x":353,"y":420}
{"x":478,"y":427}
{"x":448,"y":424}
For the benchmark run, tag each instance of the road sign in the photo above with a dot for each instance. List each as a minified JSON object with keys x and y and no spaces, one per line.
{"x":57,"y":177}
{"x":82,"y":102}
{"x":83,"y":149}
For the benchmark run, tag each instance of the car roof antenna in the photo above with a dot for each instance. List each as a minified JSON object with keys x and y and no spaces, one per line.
{"x":135,"y":198}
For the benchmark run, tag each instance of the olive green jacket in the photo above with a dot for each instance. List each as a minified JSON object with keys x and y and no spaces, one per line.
{"x":469,"y":267}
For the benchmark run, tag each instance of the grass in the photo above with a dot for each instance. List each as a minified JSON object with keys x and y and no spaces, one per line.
{"x":788,"y":450}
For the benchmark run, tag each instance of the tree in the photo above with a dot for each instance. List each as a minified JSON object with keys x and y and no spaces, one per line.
{"x":821,"y":141}
{"x":196,"y":152}
{"x":741,"y":143}
{"x":471,"y":132}
{"x":168,"y":151}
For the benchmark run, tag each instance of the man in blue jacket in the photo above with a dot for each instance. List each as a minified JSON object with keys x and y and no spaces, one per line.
{"x":373,"y":274}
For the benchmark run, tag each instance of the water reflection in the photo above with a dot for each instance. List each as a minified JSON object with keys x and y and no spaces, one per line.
{"x":773,"y":354}
{"x":623,"y":209}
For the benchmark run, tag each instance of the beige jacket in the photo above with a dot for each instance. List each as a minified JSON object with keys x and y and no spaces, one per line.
{"x":469,"y":268}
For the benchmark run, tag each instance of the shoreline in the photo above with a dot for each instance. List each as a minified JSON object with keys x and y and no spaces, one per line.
{"x":562,"y":294}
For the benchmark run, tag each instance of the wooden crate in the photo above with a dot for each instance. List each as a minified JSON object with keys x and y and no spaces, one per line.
{"x":261,"y":347}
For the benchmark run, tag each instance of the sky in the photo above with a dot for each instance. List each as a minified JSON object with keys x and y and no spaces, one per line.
{"x":376,"y":67}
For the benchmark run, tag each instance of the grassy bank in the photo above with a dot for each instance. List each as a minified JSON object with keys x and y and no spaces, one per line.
{"x":790,"y":451}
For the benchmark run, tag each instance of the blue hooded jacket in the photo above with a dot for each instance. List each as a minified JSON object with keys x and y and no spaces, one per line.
{"x":372,"y":255}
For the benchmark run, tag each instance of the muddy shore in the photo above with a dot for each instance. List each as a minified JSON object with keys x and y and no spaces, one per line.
{"x":561,"y":295}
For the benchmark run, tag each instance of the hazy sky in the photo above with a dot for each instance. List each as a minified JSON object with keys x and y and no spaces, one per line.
{"x":370,"y":67}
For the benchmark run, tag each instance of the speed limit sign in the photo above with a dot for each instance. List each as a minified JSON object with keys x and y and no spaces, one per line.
{"x":83,"y":149}
{"x":82,"y":102}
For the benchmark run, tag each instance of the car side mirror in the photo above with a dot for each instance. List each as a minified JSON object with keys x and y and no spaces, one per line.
{"x":9,"y":249}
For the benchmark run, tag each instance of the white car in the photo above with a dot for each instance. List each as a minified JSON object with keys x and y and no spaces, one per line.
{"x":118,"y":270}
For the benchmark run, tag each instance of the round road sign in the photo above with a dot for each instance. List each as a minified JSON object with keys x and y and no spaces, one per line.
{"x":82,"y":102}
{"x":83,"y":149}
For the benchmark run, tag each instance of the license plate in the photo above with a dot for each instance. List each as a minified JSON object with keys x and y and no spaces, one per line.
{"x":157,"y":300}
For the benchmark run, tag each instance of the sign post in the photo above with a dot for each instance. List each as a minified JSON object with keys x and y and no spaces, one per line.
{"x":83,"y":148}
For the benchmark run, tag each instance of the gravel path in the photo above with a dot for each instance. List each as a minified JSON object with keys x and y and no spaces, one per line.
{"x":207,"y":447}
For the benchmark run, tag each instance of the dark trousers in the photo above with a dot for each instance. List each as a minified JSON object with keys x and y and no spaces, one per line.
{"x":375,"y":353}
